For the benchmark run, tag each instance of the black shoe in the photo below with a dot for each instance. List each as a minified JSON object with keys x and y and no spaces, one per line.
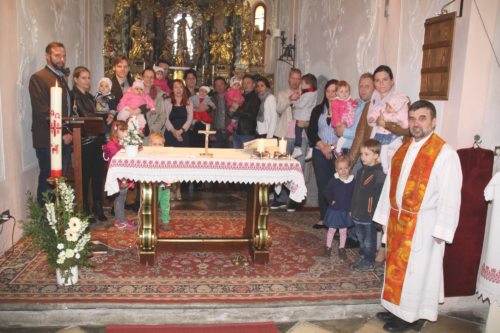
{"x":278,"y":205}
{"x":385,"y":316}
{"x":351,"y":243}
{"x":292,"y":206}
{"x":98,"y":211}
{"x":320,"y":225}
{"x":399,"y":325}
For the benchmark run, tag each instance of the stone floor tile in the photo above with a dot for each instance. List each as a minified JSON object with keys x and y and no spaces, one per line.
{"x":446,"y":324}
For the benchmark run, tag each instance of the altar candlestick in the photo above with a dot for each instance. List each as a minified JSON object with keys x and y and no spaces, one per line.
{"x":207,"y":127}
{"x":260,"y":146}
{"x":282,"y":146}
{"x":55,"y":131}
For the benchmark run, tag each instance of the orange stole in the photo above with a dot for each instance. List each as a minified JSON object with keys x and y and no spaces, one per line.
{"x":401,"y":228}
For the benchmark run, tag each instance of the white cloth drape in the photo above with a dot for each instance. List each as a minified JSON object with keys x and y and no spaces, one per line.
{"x":488,"y":280}
{"x":168,"y":164}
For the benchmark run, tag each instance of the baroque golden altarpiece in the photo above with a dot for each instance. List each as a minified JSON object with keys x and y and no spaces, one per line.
{"x":215,"y":37}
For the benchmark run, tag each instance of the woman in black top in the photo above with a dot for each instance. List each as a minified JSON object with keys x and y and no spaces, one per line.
{"x":179,"y":114}
{"x":83,"y":104}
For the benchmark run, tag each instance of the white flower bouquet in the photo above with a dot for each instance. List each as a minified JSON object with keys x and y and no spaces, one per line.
{"x":57,"y":230}
{"x":133,"y":136}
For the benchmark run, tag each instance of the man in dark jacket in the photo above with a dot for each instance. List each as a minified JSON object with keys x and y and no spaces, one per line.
{"x":121,"y":80}
{"x":39,"y":90}
{"x":246,"y":113}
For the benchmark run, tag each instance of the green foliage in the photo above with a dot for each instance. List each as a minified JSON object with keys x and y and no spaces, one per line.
{"x":57,"y":230}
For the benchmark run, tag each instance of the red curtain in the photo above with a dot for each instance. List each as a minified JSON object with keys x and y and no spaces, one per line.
{"x":461,"y":259}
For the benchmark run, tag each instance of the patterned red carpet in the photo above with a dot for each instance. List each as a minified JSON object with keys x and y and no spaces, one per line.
{"x":297,"y":270}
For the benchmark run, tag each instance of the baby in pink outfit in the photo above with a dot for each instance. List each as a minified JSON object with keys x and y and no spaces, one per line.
{"x":234,"y":95}
{"x":135,"y":103}
{"x":343,"y":111}
{"x":396,"y":111}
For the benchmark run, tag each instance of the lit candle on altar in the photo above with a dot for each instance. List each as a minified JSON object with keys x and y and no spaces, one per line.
{"x":55,"y":131}
{"x":207,"y":127}
{"x":282,"y":146}
{"x":261,"y":146}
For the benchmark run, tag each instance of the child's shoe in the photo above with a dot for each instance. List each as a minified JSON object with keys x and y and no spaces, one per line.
{"x":342,"y":254}
{"x":309,"y":154}
{"x":127,"y":225}
{"x":297,"y":152}
{"x":328,"y":252}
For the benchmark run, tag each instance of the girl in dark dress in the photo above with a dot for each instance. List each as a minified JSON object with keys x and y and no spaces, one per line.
{"x":338,"y":194}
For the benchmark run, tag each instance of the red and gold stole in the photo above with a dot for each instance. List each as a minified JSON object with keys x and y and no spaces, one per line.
{"x":402,"y":222}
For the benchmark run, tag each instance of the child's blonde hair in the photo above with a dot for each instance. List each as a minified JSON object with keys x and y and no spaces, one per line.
{"x":341,"y":84}
{"x":156,"y":136}
{"x":341,"y":159}
{"x":117,"y":125}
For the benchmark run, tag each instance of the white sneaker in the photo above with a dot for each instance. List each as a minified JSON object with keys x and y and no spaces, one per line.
{"x":309,"y":154}
{"x":297,"y":152}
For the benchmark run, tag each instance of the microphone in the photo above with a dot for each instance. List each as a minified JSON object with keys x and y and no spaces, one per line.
{"x":66,"y":71}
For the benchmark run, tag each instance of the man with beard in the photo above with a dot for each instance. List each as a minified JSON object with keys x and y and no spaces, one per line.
{"x":419,"y":208}
{"x":39,"y":89}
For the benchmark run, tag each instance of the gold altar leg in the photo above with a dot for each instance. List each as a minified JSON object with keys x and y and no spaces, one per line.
{"x":147,"y":229}
{"x":261,"y":238}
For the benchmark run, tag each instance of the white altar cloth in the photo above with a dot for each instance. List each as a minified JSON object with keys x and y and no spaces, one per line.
{"x":168,"y":164}
{"x":488,"y":281}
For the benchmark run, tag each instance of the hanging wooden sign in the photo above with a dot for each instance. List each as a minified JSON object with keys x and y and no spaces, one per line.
{"x":437,"y":55}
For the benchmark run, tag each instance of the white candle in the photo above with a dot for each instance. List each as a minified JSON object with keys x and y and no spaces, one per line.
{"x":260,"y":146}
{"x":282,"y":146}
{"x":207,"y":127}
{"x":55,"y":131}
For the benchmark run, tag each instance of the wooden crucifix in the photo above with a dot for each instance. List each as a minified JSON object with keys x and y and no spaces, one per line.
{"x":207,"y":133}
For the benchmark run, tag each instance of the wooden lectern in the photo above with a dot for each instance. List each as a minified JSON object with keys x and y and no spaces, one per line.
{"x":82,"y":127}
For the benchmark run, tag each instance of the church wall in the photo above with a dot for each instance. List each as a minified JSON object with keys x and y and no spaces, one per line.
{"x":12,"y":186}
{"x":342,"y":39}
{"x":477,"y":103}
{"x":31,"y":25}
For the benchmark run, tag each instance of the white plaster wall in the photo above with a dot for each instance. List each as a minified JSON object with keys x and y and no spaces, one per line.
{"x":337,"y":38}
{"x":31,"y":25}
{"x":477,"y":105}
{"x":491,"y":125}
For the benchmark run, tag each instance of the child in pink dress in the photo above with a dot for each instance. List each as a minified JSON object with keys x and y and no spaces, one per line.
{"x":234,"y":95}
{"x":110,"y":149}
{"x":343,"y":112}
{"x":160,"y":80}
{"x":136,"y":103}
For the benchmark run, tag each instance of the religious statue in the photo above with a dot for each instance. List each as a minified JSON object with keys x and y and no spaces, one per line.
{"x":257,"y":56}
{"x":136,"y":34}
{"x":238,"y":8}
{"x":147,"y":46}
{"x":245,"y":50}
{"x":215,"y":48}
{"x":110,"y":44}
{"x":168,"y":48}
{"x":182,"y":33}
{"x":226,"y":51}
{"x":197,"y":52}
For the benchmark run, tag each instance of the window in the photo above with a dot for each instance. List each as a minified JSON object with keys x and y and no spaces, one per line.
{"x":260,"y":17}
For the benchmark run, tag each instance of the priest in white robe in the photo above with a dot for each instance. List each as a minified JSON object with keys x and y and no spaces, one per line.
{"x":429,"y":206}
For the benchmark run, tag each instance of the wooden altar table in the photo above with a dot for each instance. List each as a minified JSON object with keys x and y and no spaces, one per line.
{"x":167,"y":164}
